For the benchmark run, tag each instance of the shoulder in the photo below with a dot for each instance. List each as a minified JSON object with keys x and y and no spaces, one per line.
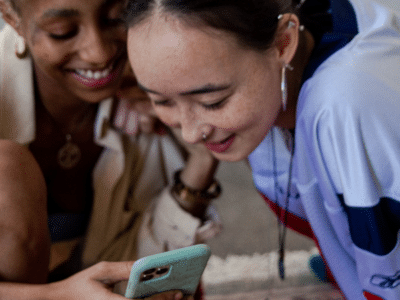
{"x":363,"y":70}
{"x":19,"y":171}
{"x":352,"y":82}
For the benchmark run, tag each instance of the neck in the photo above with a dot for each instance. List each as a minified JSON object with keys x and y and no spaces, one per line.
{"x":63,"y":107}
{"x":287,"y":119}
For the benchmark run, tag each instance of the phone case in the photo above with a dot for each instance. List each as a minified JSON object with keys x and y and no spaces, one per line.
{"x":179,"y":269}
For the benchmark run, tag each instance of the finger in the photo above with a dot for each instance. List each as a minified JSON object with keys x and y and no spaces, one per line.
{"x":171,"y":295}
{"x":132,"y":123}
{"x":143,"y":106}
{"x":131,"y":92}
{"x":147,"y":123}
{"x":110,"y":273}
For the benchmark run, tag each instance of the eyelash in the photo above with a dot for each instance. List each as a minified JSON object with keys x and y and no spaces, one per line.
{"x":114,"y":22}
{"x":65,"y":36}
{"x":213,"y":106}
{"x":162,"y":103}
{"x":217,"y":105}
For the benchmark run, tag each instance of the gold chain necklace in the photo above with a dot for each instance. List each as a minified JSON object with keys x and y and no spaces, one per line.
{"x":69,"y":155}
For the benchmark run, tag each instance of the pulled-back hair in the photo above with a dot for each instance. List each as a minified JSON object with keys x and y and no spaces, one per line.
{"x":253,"y":22}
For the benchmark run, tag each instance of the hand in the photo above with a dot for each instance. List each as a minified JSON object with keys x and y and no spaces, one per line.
{"x":94,"y":283}
{"x":172,"y":295}
{"x":97,"y":282}
{"x":134,"y":112}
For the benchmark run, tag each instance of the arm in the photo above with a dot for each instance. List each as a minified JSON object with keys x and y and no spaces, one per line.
{"x":354,"y":152}
{"x":95,"y":283}
{"x":24,"y":236}
{"x":25,"y":242}
{"x":197,"y":175}
{"x":173,"y":222}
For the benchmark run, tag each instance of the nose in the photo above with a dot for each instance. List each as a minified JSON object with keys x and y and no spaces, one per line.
{"x":191,"y":126}
{"x":98,"y":48}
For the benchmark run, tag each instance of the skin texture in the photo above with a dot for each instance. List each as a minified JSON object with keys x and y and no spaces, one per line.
{"x":63,"y":37}
{"x":24,"y":234}
{"x":22,"y":182}
{"x":202,"y":81}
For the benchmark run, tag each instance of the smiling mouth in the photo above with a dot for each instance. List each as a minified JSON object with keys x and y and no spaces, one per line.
{"x":91,"y":74}
{"x":99,"y":78}
{"x":221,"y":146}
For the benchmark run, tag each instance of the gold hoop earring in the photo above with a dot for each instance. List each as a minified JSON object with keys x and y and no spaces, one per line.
{"x":21,"y":54}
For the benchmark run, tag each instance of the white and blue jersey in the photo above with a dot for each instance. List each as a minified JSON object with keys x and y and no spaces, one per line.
{"x":345,"y":188}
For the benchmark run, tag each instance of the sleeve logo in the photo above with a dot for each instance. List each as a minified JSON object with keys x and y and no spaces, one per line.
{"x":385,"y":282}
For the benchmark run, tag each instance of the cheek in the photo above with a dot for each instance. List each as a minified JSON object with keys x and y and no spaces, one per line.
{"x":46,"y":53}
{"x":236,"y":120}
{"x":240,"y":116}
{"x":48,"y":58}
{"x":166,"y":115}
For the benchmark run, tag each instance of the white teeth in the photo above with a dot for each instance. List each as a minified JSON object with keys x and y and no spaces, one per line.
{"x":94,"y":74}
{"x":89,"y":74}
{"x":105,"y":73}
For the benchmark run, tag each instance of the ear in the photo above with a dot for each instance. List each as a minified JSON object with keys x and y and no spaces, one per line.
{"x":287,"y":37}
{"x":10,"y":15}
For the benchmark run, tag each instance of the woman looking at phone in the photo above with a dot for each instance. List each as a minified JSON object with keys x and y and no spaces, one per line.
{"x":315,"y":114}
{"x":74,"y":189}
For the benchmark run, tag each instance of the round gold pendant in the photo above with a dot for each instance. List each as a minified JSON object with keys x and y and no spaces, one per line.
{"x":68,"y":156}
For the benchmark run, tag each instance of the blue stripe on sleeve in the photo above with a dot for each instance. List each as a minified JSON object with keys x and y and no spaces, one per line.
{"x":374,"y":229}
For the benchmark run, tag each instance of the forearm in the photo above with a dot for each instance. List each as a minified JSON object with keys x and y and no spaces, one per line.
{"x":24,"y":237}
{"x":21,"y":291}
{"x":199,"y":171}
{"x":198,"y":176}
{"x":23,"y":259}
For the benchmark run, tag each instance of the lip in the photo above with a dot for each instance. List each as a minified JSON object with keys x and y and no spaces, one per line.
{"x":101,"y":82}
{"x":222,"y":146}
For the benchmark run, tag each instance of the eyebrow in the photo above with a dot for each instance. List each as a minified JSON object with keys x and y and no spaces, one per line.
{"x":60,"y":13}
{"x":65,"y":13}
{"x":208,"y":88}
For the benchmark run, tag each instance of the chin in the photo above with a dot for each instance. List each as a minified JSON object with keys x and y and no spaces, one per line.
{"x":230,"y":157}
{"x":97,"y":96}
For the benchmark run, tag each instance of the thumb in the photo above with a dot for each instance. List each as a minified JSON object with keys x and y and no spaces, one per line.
{"x":110,"y":273}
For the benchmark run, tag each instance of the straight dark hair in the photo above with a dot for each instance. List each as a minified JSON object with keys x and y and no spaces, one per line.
{"x":252,"y":22}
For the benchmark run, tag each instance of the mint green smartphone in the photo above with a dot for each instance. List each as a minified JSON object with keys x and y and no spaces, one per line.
{"x":179,"y":269}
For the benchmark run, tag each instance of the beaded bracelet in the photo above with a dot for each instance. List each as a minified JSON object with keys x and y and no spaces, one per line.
{"x":194,"y":201}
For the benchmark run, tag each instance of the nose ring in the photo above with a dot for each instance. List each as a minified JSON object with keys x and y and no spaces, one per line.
{"x":204,"y":136}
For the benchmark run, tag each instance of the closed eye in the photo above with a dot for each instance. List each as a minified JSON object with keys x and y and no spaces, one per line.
{"x":65,"y":36}
{"x":162,"y":102}
{"x":216,"y":105}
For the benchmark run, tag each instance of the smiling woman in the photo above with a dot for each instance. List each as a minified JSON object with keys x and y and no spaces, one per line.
{"x":313,"y":105}
{"x":208,"y":77}
{"x":107,"y":194}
